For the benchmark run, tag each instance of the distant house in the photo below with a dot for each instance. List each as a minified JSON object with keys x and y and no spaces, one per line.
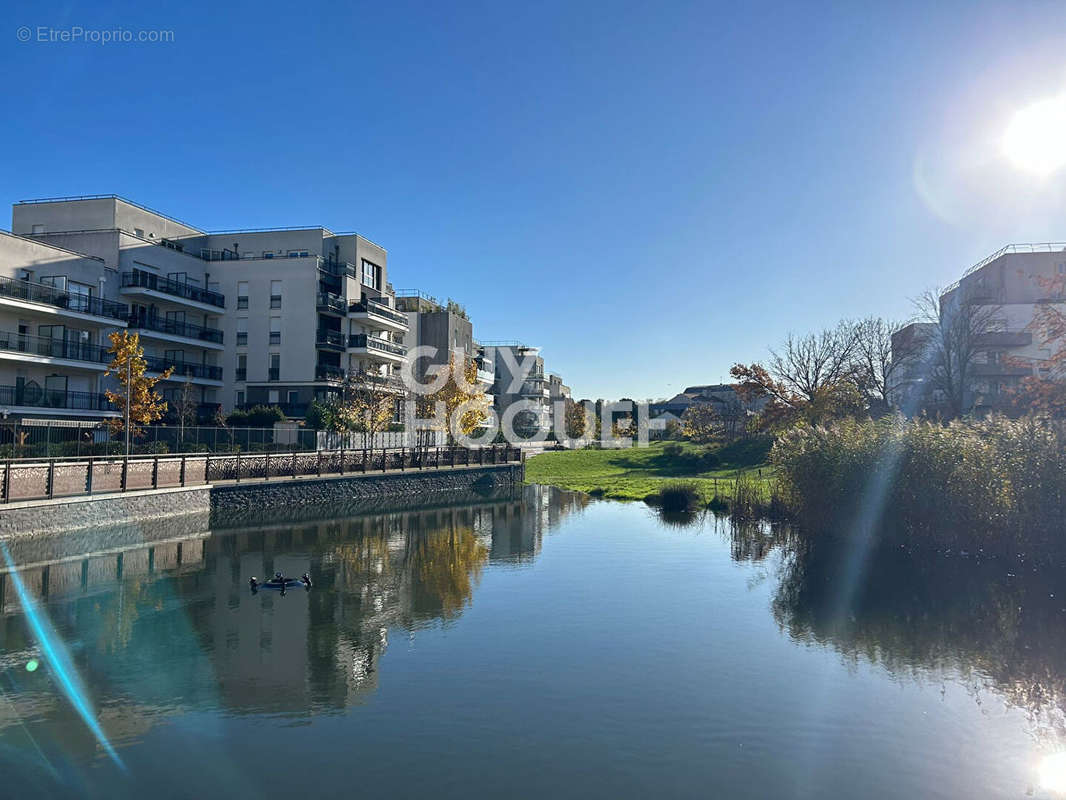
{"x":722,"y":396}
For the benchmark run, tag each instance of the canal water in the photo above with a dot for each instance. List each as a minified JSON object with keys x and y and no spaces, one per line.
{"x":532,"y":644}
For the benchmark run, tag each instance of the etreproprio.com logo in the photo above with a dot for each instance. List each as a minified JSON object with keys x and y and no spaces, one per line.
{"x":76,"y":34}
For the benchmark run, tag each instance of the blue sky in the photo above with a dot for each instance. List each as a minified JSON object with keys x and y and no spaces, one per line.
{"x":650,"y":192}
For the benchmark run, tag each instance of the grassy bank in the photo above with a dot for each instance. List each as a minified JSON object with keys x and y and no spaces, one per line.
{"x":996,"y":484}
{"x":636,"y":473}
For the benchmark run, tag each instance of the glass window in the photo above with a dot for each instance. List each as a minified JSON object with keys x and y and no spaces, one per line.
{"x":242,"y":330}
{"x":238,"y":399}
{"x":275,"y":330}
{"x":370,"y":274}
{"x":242,"y":294}
{"x":275,"y":294}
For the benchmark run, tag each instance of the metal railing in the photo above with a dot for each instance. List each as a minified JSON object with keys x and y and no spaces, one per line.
{"x":362,"y":341}
{"x":139,"y":279}
{"x":331,"y":303}
{"x":49,"y":478}
{"x":327,"y":373}
{"x":34,"y":396}
{"x":71,"y":301}
{"x":1022,"y":247}
{"x":46,"y":347}
{"x":175,"y":328}
{"x":183,"y":368}
{"x":330,"y":340}
{"x":379,"y":309}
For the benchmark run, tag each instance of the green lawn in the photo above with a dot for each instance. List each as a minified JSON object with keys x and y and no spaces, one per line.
{"x":635,"y":473}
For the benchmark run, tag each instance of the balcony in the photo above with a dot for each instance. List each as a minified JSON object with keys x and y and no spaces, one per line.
{"x":182,"y":369}
{"x":535,"y":390}
{"x":184,"y":330}
{"x":337,"y":269}
{"x":486,"y":377}
{"x":375,"y":348}
{"x":46,"y":350}
{"x":288,"y":409}
{"x":31,"y":395}
{"x":379,"y":316}
{"x":1005,"y":339}
{"x":41,"y":294}
{"x":329,"y":374}
{"x":152,"y":285}
{"x":329,"y":303}
{"x":1001,"y":369}
{"x":330,"y":340}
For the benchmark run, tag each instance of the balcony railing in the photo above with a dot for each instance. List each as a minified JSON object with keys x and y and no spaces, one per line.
{"x":145,"y":280}
{"x":38,"y":397}
{"x":337,"y":268}
{"x":327,"y":373}
{"x":330,"y":340}
{"x":175,"y":328}
{"x":379,"y":309}
{"x":361,"y":341}
{"x":329,"y":303}
{"x":184,"y":368}
{"x":71,"y":301}
{"x":53,"y":348}
{"x":1004,"y":339}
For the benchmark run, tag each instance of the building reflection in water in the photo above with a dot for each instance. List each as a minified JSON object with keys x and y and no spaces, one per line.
{"x":160,"y":619}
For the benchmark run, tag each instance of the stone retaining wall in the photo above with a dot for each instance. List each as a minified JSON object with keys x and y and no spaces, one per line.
{"x":347,"y":495}
{"x":113,"y":510}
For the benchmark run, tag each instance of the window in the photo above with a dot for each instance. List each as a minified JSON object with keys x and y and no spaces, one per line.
{"x":238,"y":399}
{"x":298,"y":253}
{"x":275,"y":330}
{"x":275,"y":294}
{"x":242,"y":367}
{"x":174,"y":357}
{"x":273,"y":396}
{"x":275,"y":367}
{"x":242,"y":294}
{"x":371,"y":274}
{"x":242,"y":331}
{"x":294,"y":397}
{"x":139,"y":232}
{"x":268,"y":254}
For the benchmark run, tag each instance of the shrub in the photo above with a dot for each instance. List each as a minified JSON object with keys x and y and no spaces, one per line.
{"x":997,"y":484}
{"x":679,"y":496}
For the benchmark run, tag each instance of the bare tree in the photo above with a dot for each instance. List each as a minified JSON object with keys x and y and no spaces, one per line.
{"x":873,"y":364}
{"x":958,"y":323}
{"x":185,"y":406}
{"x":806,"y":365}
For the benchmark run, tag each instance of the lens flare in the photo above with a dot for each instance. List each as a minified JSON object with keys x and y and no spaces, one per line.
{"x":1053,"y":773}
{"x":58,"y":659}
{"x":31,"y":665}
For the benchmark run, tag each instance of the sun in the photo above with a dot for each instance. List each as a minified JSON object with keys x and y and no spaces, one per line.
{"x":1035,"y":140}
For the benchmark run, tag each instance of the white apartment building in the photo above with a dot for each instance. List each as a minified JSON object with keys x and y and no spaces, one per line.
{"x":272,"y":316}
{"x":56,"y":309}
{"x":513,"y":386}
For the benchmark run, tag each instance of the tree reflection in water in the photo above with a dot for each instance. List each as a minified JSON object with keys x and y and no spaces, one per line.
{"x":999,"y":625}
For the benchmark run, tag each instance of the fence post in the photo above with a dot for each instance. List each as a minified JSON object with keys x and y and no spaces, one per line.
{"x":342,"y":458}
{"x":183,"y":470}
{"x":294,"y":465}
{"x":155,"y":471}
{"x":7,"y":482}
{"x":384,"y":458}
{"x":238,"y":466}
{"x":51,"y":477}
{"x":125,"y":472}
{"x":318,"y":462}
{"x":207,"y":468}
{"x":89,"y":477}
{"x":266,"y":467}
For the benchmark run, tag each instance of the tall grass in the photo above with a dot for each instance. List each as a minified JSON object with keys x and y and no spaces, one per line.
{"x":994,"y":484}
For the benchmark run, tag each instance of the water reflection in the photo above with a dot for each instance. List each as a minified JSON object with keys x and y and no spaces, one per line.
{"x":160,"y":620}
{"x":999,"y":625}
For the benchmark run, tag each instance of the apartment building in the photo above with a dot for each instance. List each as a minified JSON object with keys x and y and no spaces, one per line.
{"x":519,"y":376}
{"x":57,"y":308}
{"x":1011,"y":285}
{"x":272,"y":316}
